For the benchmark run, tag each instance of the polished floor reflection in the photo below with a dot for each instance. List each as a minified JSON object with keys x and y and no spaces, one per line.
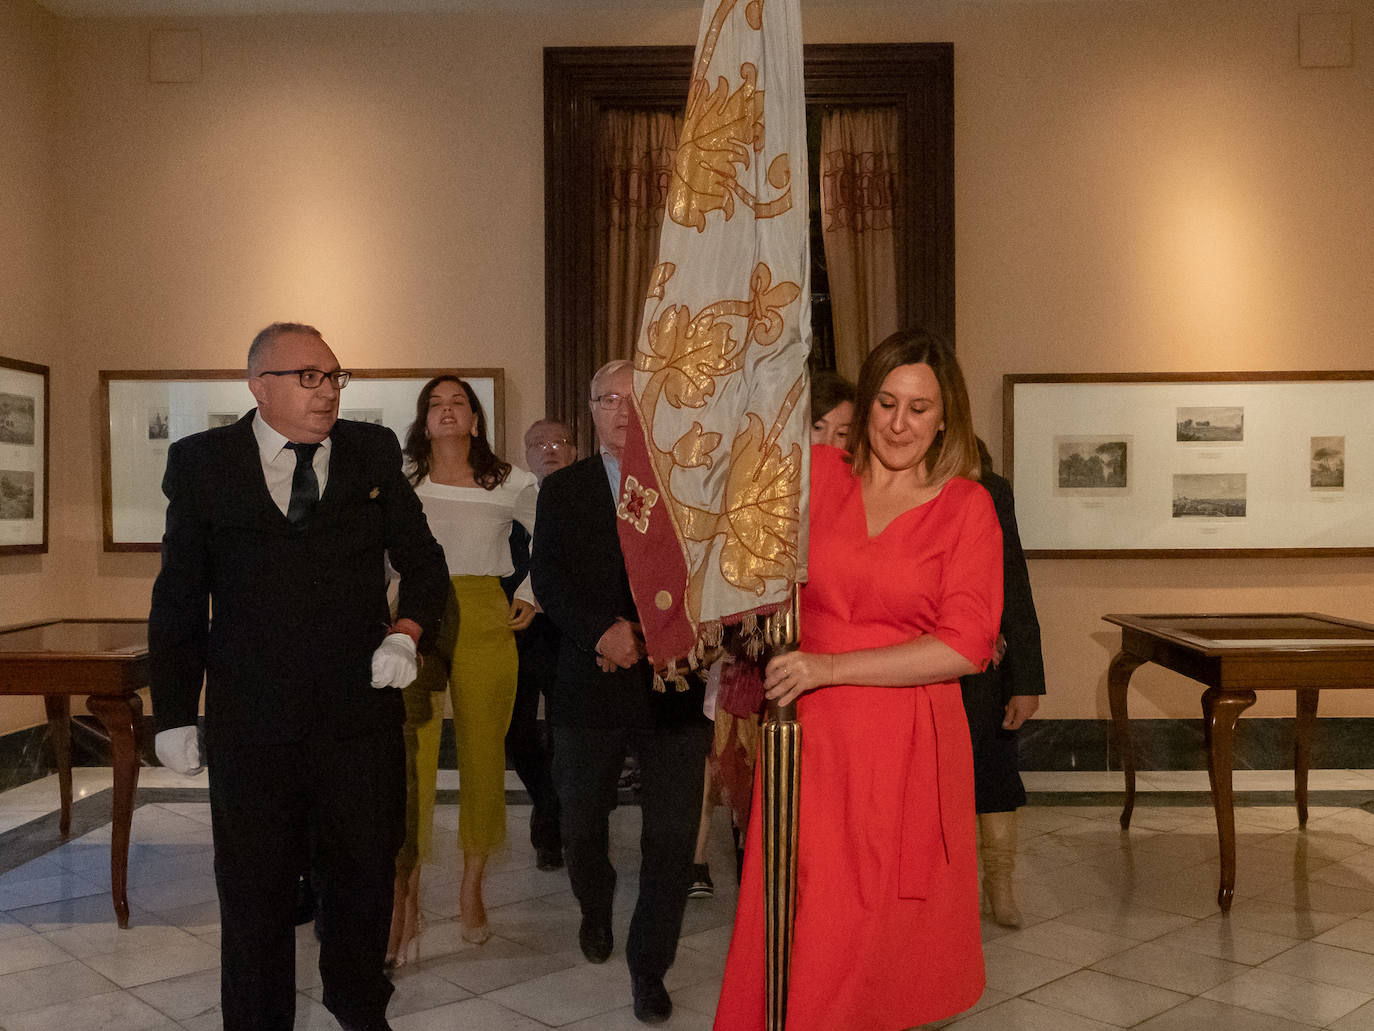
{"x":1122,"y":931}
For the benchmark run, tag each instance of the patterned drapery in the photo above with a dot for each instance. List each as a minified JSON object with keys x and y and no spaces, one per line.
{"x":637,"y":148}
{"x":858,"y":200}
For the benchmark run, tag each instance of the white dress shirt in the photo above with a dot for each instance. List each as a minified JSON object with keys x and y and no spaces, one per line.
{"x":473,"y":524}
{"x":279,"y":462}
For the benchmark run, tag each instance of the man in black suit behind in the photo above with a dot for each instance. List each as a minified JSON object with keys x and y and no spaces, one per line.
{"x":283,"y":522}
{"x":602,"y":704}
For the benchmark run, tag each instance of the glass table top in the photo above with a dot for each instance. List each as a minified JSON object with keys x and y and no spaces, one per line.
{"x":116,"y":637}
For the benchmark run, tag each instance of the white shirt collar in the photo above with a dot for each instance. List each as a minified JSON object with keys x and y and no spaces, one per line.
{"x":271,"y":443}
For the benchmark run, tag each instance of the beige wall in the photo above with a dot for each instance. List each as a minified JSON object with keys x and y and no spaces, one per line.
{"x":1140,"y":186}
{"x":29,"y":294}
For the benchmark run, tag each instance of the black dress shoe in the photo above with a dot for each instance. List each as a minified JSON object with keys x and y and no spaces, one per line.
{"x":595,"y":937}
{"x":652,"y":1004}
{"x":548,"y":858}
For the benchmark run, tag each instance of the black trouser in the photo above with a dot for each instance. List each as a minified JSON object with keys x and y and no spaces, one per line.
{"x":332,"y":806}
{"x":997,"y":786}
{"x":526,"y":745}
{"x":586,"y":766}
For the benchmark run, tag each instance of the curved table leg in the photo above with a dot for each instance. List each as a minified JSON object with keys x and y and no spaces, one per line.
{"x":122,"y":718}
{"x":1118,"y":676}
{"x":59,"y":710}
{"x":1220,"y":710}
{"x":1302,"y":748}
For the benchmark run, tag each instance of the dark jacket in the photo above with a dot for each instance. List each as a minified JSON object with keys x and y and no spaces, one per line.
{"x":281,"y":620}
{"x":578,"y":574}
{"x":1022,"y":669}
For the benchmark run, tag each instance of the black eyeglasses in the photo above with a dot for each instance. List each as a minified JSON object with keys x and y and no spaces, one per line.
{"x":551,"y":445}
{"x":312,"y":378}
{"x":610,"y":402}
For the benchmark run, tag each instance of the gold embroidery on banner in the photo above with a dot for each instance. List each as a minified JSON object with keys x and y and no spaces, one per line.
{"x":694,"y":447}
{"x":723,"y":127}
{"x":636,"y":502}
{"x":749,"y":464}
{"x":685,"y":356}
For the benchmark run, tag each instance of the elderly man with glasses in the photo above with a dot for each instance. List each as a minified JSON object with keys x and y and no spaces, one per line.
{"x":548,"y":448}
{"x":602,"y":704}
{"x":281,"y":524}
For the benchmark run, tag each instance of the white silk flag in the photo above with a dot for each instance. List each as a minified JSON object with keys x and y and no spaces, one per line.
{"x":712,"y":507}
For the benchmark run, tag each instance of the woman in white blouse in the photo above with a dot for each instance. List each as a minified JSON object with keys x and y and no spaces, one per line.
{"x":470,"y":497}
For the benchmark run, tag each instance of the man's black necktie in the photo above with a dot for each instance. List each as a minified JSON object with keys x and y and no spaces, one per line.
{"x":305,"y":488}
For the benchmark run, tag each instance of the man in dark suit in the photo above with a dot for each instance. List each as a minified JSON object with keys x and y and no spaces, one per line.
{"x":548,"y":448}
{"x":283,"y":522}
{"x":603,"y":704}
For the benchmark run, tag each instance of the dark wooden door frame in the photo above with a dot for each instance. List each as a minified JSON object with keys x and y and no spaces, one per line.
{"x":581,"y":82}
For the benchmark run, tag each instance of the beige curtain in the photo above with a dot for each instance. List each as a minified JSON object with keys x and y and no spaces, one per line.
{"x":637,"y":150}
{"x":858,"y":193}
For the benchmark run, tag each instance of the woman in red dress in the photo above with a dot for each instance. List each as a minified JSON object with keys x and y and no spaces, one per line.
{"x":904,"y":597}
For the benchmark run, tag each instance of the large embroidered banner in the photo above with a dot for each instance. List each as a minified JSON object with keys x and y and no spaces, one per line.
{"x":713,"y":497}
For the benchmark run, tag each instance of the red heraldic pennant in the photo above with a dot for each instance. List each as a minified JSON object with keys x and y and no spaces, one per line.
{"x":658,"y":576}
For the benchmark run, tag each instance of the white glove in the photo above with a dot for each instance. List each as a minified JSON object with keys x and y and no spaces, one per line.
{"x":177,"y":749}
{"x":393,"y":663}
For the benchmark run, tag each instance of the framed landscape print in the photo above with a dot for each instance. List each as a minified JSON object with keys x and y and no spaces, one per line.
{"x":1149,"y":465}
{"x":23,"y":457}
{"x":146,"y":411}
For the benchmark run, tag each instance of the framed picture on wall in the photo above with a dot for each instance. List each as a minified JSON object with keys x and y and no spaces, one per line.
{"x":145,"y":412}
{"x":23,"y":457}
{"x":1164,"y":465}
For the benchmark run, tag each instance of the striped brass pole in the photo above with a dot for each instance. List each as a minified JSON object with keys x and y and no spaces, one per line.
{"x":780,"y":753}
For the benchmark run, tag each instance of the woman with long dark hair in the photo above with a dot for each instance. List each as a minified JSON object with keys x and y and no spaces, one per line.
{"x":470,"y":497}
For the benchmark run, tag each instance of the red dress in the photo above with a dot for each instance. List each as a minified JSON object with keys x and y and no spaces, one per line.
{"x":887,"y":932}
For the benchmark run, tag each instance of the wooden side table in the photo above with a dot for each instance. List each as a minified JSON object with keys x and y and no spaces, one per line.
{"x":1236,"y":655}
{"x":105,"y":660}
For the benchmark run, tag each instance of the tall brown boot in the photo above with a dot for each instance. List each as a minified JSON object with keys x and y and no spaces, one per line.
{"x":998,"y":850}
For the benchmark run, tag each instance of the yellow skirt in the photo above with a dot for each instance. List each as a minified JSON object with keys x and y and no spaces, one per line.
{"x":480,"y":668}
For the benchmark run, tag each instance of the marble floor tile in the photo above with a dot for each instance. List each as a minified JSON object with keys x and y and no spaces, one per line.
{"x":1024,"y":1015}
{"x":1292,"y":998}
{"x":1326,"y":964}
{"x":1115,"y":915}
{"x":1277,"y":918}
{"x":567,"y":995}
{"x":1068,"y":943}
{"x":497,"y":964}
{"x":1110,"y":999}
{"x":1012,"y":971}
{"x":1173,"y":968}
{"x":1361,"y":1019}
{"x":1222,"y":938}
{"x":41,"y":987}
{"x":1357,"y":934}
{"x":128,"y":969}
{"x":112,"y":1011}
{"x":1200,"y":1014}
{"x":27,"y":951}
{"x":470,"y":1013}
{"x":1122,"y":927}
{"x":182,"y":998}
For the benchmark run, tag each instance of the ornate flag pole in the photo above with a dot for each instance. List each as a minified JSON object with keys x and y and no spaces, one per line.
{"x":780,"y":766}
{"x":712,"y":506}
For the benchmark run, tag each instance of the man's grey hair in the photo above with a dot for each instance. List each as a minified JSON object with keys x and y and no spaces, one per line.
{"x":606,"y":372}
{"x":262,"y":343}
{"x":540,"y":423}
